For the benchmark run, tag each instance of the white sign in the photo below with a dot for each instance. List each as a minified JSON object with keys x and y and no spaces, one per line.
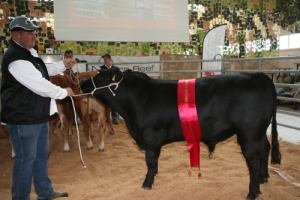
{"x":212,"y":47}
{"x":145,"y":66}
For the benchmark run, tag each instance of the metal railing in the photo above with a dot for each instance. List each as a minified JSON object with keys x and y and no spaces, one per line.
{"x":259,"y":63}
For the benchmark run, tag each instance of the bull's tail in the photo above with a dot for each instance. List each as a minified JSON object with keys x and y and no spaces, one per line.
{"x":275,"y":154}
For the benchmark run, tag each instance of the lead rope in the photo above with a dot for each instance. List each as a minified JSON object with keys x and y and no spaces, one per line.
{"x":285,"y":176}
{"x":78,"y":136}
{"x":71,"y":97}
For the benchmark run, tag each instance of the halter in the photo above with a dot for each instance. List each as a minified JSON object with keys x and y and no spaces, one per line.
{"x":107,"y":86}
{"x":74,"y":78}
{"x":92,"y":93}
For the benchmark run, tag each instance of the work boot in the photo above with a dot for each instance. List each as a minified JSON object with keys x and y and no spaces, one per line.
{"x":55,"y":196}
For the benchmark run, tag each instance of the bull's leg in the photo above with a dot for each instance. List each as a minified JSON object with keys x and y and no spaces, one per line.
{"x":152,"y":156}
{"x":70,"y":128}
{"x":108,"y":121}
{"x":55,"y":129}
{"x":54,"y":124}
{"x":252,"y":156}
{"x":66,"y":146}
{"x":89,"y":143}
{"x":264,"y":151}
{"x":101,"y":132}
{"x":86,"y":129}
{"x":92,"y":130}
{"x":65,"y":127}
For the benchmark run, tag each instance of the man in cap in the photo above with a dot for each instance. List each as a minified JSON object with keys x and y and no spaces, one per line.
{"x":27,"y":102}
{"x":107,"y":65}
{"x":51,"y":43}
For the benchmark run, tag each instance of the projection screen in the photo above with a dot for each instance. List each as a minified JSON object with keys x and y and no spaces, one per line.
{"x":121,"y":20}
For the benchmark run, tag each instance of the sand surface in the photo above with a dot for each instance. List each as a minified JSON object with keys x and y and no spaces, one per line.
{"x":119,"y":171}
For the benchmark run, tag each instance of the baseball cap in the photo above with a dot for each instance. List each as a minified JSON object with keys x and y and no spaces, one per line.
{"x":22,"y":23}
{"x":106,"y":55}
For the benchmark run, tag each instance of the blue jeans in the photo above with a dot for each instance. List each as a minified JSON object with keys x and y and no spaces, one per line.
{"x":114,"y":116}
{"x":31,"y":145}
{"x":280,"y":90}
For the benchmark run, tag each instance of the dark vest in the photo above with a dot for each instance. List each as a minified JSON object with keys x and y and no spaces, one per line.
{"x":19,"y":104}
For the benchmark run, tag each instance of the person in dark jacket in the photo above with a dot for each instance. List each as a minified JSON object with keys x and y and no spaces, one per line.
{"x":108,"y":64}
{"x":27,"y":98}
{"x":51,"y":43}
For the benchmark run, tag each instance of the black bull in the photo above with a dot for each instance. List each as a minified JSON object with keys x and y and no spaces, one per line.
{"x":242,"y":104}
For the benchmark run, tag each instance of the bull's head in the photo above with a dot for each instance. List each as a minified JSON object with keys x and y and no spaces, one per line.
{"x":104,"y":79}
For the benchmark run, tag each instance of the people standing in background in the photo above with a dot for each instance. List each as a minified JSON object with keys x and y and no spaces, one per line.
{"x":283,"y":78}
{"x":51,"y":43}
{"x":27,"y":97}
{"x":68,"y":54}
{"x":107,"y":65}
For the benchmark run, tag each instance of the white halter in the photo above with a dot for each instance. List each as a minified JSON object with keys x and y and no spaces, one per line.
{"x":108,"y":86}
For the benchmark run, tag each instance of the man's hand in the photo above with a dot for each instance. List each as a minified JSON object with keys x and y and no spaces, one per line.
{"x":70,"y":92}
{"x":69,"y":63}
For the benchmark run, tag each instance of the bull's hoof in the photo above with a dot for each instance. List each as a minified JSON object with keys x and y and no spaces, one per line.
{"x":252,"y":197}
{"x":90,"y":147}
{"x":263,"y":180}
{"x":66,"y":147}
{"x":147,"y":188}
{"x":101,"y":150}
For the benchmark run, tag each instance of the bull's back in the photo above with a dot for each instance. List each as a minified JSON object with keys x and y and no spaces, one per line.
{"x":228,"y":103}
{"x":235,"y":89}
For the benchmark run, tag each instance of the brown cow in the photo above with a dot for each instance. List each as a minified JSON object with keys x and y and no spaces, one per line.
{"x":83,"y":109}
{"x":65,"y":108}
{"x":100,"y":113}
{"x":3,"y":131}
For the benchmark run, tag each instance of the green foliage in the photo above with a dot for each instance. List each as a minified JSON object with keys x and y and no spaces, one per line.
{"x":241,"y":37}
{"x":145,"y":47}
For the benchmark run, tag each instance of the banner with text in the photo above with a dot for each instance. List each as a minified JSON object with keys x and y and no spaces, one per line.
{"x":145,"y":65}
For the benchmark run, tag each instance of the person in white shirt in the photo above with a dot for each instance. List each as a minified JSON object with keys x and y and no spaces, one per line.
{"x":27,"y":97}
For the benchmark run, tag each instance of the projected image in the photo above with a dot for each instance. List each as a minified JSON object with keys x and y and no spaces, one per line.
{"x":122,"y":20}
{"x":156,"y":10}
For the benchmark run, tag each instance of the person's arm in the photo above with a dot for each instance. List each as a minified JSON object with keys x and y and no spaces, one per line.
{"x":55,"y":68}
{"x":25,"y":72}
{"x":59,"y":67}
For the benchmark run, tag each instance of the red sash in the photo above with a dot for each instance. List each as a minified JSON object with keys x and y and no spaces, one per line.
{"x":189,"y":119}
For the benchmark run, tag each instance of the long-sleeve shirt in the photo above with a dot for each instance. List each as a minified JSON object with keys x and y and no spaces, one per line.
{"x":31,"y":78}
